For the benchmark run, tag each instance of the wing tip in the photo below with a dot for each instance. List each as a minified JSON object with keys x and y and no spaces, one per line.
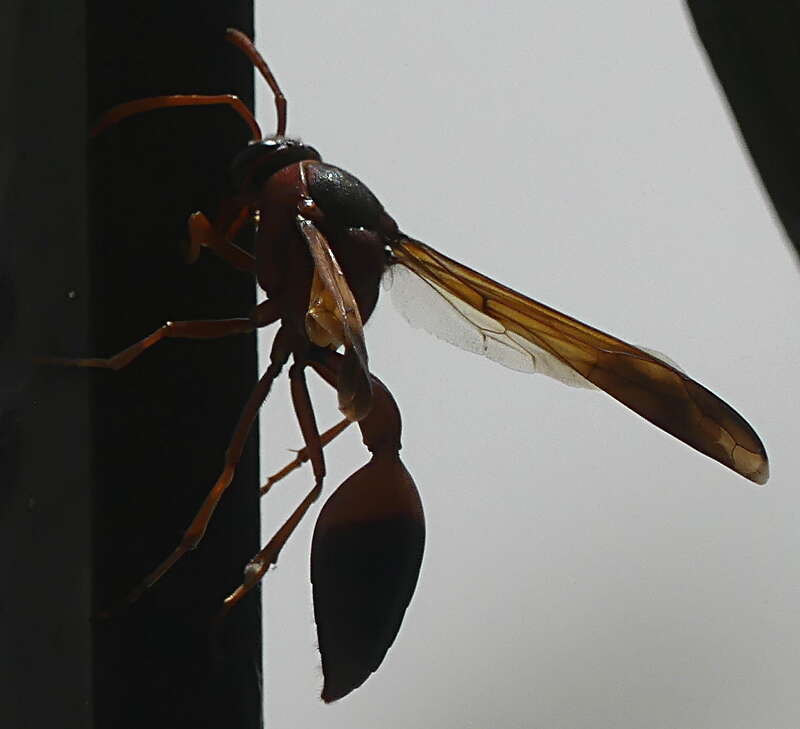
{"x":761,"y":475}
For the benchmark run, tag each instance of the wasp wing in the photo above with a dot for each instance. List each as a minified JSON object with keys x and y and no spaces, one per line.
{"x":338,"y":313}
{"x":493,"y":320}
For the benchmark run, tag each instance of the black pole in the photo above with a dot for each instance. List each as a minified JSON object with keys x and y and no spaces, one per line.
{"x":754,"y":49}
{"x":104,"y":470}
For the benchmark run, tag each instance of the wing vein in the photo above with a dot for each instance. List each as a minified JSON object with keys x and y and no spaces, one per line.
{"x":578,"y":354}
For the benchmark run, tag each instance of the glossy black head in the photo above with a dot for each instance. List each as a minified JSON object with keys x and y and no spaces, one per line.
{"x":260,"y":160}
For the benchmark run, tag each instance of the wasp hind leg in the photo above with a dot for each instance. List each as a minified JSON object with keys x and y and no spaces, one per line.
{"x":197,"y":528}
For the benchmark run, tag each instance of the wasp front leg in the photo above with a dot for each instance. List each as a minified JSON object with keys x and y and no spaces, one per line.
{"x":219,"y":238}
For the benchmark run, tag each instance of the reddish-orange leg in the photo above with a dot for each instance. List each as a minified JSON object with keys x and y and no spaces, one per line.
{"x":302,"y":455}
{"x":194,"y":533}
{"x":304,"y":410}
{"x":219,"y":238}
{"x":123,"y":111}
{"x":243,"y":43}
{"x":211,"y":329}
{"x":259,"y":564}
{"x":263,"y":315}
{"x":380,"y":432}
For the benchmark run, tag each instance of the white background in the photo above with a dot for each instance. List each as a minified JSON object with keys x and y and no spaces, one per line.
{"x":582,"y":568}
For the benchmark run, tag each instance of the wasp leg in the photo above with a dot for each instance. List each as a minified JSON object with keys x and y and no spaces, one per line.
{"x":130,"y":108}
{"x":381,"y":432}
{"x":307,"y":420}
{"x":264,"y":314}
{"x":258,"y":565}
{"x":302,"y":454}
{"x":192,"y":536}
{"x":219,"y":238}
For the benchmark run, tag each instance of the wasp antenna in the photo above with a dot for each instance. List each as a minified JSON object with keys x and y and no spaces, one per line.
{"x":244,"y":44}
{"x":123,"y":111}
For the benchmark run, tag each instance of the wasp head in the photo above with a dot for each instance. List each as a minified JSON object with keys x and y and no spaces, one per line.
{"x":262,"y":159}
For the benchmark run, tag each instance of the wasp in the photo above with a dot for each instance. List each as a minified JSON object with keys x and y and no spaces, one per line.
{"x":323,"y":244}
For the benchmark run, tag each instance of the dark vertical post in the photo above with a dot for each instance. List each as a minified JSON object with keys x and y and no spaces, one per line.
{"x":755,"y":51}
{"x":104,"y":470}
{"x":45,"y":435}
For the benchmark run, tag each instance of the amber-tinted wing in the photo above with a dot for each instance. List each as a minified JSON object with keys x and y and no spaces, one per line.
{"x":527,"y":335}
{"x":336,"y":312}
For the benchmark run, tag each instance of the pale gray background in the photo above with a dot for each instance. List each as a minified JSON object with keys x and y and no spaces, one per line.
{"x":582,"y":568}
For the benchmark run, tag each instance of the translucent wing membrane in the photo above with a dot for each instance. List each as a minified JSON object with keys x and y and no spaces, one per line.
{"x":427,"y":305}
{"x":483,"y":316}
{"x":333,"y":318}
